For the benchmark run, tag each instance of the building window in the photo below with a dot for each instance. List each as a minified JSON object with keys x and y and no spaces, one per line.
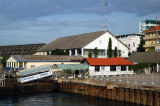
{"x":32,"y":66}
{"x":102,"y":67}
{"x":123,"y":68}
{"x":133,"y":44}
{"x":97,"y":68}
{"x":128,"y":45}
{"x":112,"y":68}
{"x":100,"y":41}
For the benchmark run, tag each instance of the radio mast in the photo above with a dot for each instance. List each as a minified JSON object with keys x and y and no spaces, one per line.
{"x":106,"y":21}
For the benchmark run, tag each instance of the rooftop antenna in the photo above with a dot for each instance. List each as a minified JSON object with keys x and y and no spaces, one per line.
{"x":106,"y":21}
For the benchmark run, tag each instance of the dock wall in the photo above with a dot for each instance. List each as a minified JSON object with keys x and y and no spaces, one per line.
{"x":35,"y":87}
{"x":137,"y":96}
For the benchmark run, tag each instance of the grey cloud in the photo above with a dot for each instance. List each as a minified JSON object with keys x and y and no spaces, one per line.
{"x":17,"y":9}
{"x":139,"y":7}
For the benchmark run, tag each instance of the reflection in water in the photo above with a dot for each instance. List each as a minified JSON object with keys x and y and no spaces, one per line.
{"x":58,"y":99}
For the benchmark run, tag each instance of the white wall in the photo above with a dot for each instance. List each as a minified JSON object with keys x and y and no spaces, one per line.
{"x":132,"y":42}
{"x":107,"y":71}
{"x":102,"y":43}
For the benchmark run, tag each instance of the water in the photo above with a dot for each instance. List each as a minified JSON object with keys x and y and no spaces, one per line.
{"x":58,"y":99}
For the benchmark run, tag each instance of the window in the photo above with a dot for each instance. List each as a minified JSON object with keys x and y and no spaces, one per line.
{"x":100,"y":41}
{"x":112,"y":68}
{"x":97,"y":68}
{"x":123,"y":68}
{"x":32,"y":66}
{"x":102,"y":67}
{"x":133,"y":44}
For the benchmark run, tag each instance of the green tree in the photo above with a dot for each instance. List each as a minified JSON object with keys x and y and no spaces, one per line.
{"x":115,"y":52}
{"x":58,"y":52}
{"x":95,"y":52}
{"x":3,"y":60}
{"x":90,"y":54}
{"x":109,"y":51}
{"x":141,"y":48}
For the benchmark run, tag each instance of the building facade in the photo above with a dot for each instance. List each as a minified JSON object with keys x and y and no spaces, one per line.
{"x":108,"y":66}
{"x":146,"y":24}
{"x":81,"y":45}
{"x":132,"y":41}
{"x":152,"y":39}
{"x":21,"y":62}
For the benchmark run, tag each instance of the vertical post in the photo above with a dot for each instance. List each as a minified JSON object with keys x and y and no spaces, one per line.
{"x":17,"y":64}
{"x":75,"y":52}
{"x":22,"y":64}
{"x":82,"y":50}
{"x":70,"y":52}
{"x":157,"y":67}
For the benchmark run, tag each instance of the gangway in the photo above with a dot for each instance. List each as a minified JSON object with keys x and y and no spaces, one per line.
{"x":35,"y":73}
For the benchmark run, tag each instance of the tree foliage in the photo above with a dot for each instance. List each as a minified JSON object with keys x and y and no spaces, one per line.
{"x":115,"y":52}
{"x":141,"y":48}
{"x":3,"y":60}
{"x":109,"y":50}
{"x":95,"y":52}
{"x":90,"y":54}
{"x":59,"y":52}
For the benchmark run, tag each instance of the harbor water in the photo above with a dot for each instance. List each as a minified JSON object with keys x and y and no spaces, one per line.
{"x":58,"y":99}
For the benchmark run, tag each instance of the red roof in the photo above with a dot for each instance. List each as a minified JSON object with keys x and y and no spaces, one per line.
{"x":108,"y":61}
{"x":152,"y":29}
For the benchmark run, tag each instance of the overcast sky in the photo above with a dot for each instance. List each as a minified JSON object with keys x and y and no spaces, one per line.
{"x":41,"y":21}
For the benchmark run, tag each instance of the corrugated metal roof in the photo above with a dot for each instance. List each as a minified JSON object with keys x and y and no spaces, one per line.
{"x":145,"y":57}
{"x":26,"y":49}
{"x":69,"y":42}
{"x":72,"y":66}
{"x":43,"y":58}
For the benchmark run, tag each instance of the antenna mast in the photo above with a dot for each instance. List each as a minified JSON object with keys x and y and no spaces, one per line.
{"x":157,"y":40}
{"x":106,"y":21}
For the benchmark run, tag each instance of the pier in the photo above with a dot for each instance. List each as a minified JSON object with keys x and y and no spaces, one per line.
{"x":115,"y":88}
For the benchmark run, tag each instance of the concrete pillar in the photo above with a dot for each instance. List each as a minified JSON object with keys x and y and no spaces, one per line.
{"x":127,"y":68}
{"x":50,"y":52}
{"x":157,"y":67}
{"x":22,"y":64}
{"x":6,"y":64}
{"x":9,"y":64}
{"x":82,"y":50}
{"x":70,"y":52}
{"x":17,"y":64}
{"x":75,"y":52}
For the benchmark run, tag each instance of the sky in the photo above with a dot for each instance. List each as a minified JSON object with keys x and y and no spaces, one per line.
{"x":41,"y":21}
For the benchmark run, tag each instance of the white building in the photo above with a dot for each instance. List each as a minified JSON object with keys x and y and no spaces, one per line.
{"x":108,"y":66}
{"x":132,"y":41}
{"x":146,"y":24}
{"x":83,"y":43}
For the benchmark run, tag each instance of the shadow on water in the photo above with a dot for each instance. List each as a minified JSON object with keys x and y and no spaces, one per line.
{"x":58,"y":99}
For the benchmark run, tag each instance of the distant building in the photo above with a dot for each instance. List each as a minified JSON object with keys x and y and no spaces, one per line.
{"x":146,"y":24}
{"x":152,"y":39}
{"x":26,"y":49}
{"x":20,"y":62}
{"x":83,"y":43}
{"x":147,"y":57}
{"x":108,"y":66}
{"x":132,"y":41}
